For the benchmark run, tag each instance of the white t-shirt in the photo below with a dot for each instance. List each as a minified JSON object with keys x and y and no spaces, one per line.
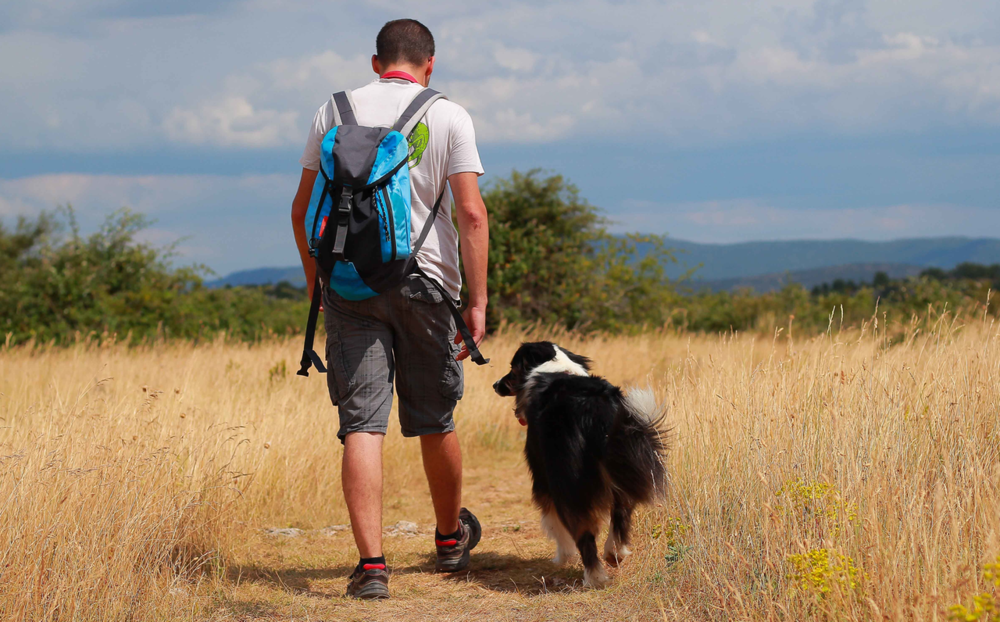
{"x":449,"y":148}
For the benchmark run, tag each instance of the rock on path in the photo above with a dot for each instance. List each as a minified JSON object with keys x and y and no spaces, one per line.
{"x":400,"y":528}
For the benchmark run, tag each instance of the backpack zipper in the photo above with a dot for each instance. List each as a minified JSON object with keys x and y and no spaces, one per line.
{"x":392,"y":222}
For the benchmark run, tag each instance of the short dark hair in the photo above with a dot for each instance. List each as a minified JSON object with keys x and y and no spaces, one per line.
{"x":404,"y":40}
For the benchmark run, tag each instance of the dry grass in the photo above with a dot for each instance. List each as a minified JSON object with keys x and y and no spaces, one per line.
{"x":135,"y":484}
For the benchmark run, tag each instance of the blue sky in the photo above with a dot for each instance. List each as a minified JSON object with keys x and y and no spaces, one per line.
{"x":710,"y":120}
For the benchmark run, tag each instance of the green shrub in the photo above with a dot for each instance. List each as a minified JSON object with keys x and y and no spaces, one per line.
{"x":54,"y":287}
{"x":553,"y":262}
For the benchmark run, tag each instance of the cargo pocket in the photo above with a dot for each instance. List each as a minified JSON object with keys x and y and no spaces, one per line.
{"x":453,"y":378}
{"x":424,"y":291}
{"x":337,"y":380}
{"x":433,"y":317}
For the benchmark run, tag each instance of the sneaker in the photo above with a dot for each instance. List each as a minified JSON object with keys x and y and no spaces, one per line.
{"x":369,"y":583}
{"x":453,"y":555}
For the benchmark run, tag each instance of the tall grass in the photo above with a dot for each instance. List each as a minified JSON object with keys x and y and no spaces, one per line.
{"x":851,"y":475}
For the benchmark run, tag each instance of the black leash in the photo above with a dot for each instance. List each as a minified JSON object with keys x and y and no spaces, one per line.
{"x":463,"y":328}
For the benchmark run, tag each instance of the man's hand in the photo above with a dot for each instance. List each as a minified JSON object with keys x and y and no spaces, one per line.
{"x":475,"y":319}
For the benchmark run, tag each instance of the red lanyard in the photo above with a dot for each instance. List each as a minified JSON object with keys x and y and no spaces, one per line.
{"x":402,"y":75}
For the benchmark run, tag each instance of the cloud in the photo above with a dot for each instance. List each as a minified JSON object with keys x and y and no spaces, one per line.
{"x":231,"y":122}
{"x":250,"y":74}
{"x":60,"y":15}
{"x":749,"y":219}
{"x":221,"y":221}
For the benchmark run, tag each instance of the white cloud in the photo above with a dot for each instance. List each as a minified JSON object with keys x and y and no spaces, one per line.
{"x":304,"y":74}
{"x":222,"y":221}
{"x":515,"y":59}
{"x":750,"y":219}
{"x":231,"y":122}
{"x":692,"y":71}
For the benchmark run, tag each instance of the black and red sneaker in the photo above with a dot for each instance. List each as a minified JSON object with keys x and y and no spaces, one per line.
{"x":369,"y":582}
{"x":453,"y":553}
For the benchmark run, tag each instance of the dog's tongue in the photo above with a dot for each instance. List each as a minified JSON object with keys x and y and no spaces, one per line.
{"x":522,"y":422}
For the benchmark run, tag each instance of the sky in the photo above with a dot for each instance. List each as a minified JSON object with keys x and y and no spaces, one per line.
{"x":707,"y":120}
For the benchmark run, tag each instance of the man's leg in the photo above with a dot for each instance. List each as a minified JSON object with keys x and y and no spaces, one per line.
{"x":430,"y":383}
{"x":443,"y":466}
{"x":360,"y":370}
{"x":361,"y":477}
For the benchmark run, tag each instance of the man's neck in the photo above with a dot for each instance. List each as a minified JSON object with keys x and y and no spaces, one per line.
{"x":418,"y":75}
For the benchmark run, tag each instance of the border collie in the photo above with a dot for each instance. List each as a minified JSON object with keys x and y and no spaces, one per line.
{"x":592,"y":451}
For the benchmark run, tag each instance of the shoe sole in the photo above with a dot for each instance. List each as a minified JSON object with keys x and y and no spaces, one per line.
{"x":453,"y":565}
{"x":372,"y":591}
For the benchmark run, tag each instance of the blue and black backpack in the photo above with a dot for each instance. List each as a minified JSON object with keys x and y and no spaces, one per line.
{"x":358,"y":220}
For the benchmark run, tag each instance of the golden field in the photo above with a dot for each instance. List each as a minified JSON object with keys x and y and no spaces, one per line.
{"x":851,"y":476}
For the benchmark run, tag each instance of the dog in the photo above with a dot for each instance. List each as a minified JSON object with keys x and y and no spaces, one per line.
{"x":592,"y":450}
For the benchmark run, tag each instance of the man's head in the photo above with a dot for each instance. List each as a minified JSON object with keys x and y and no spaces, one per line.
{"x":405,"y":45}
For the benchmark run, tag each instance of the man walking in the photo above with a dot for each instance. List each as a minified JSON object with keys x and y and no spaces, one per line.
{"x":407,"y":333}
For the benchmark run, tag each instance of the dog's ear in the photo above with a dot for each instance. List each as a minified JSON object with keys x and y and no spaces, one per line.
{"x":531,"y":355}
{"x":582,"y":361}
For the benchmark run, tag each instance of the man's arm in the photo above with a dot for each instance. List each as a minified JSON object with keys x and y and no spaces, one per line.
{"x":473,"y":230}
{"x":300,"y":205}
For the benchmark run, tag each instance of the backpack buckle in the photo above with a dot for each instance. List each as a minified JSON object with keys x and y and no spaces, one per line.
{"x":343,"y":220}
{"x":344,"y":209}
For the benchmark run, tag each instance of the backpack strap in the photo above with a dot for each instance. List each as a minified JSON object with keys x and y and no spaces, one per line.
{"x":428,"y":225}
{"x":343,"y":114}
{"x":309,"y":356}
{"x":343,"y":109}
{"x":416,"y":111}
{"x":405,"y":125}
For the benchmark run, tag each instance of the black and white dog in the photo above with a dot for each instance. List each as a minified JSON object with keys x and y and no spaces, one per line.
{"x":592,"y":451}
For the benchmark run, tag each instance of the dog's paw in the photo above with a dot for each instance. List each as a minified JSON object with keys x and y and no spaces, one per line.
{"x":596,"y":579}
{"x":615,"y":554}
{"x":563,"y":557}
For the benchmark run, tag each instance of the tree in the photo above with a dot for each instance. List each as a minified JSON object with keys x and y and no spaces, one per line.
{"x":552,"y":261}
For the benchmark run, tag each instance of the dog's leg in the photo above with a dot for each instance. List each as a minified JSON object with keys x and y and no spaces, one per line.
{"x":616,"y":546}
{"x":593,"y":569}
{"x":554,"y":528}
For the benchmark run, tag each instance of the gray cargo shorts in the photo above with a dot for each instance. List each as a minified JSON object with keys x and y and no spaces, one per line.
{"x":405,"y":334}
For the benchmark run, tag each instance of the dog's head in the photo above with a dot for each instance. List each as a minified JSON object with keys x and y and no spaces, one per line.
{"x":537,"y":358}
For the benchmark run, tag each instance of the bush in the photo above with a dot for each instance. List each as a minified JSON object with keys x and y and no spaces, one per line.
{"x":552,"y":261}
{"x":55,"y":287}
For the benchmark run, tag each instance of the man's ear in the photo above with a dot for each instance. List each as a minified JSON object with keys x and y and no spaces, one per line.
{"x":376,"y":67}
{"x":430,"y":70}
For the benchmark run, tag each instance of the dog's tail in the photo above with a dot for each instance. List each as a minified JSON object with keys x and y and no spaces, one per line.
{"x":637,"y":448}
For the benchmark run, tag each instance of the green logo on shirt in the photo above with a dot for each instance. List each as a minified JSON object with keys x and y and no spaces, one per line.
{"x":418,"y":143}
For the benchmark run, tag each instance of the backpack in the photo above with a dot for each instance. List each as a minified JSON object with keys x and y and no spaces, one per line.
{"x":358,"y":222}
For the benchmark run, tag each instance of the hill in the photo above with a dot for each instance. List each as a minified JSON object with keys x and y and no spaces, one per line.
{"x":261,"y":276}
{"x":723,"y":266}
{"x":857,"y":272}
{"x":732,"y":261}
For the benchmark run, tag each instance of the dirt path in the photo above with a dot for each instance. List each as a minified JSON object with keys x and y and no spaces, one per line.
{"x":511,"y":576}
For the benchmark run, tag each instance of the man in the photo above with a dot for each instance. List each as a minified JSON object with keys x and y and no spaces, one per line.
{"x":408,"y":332}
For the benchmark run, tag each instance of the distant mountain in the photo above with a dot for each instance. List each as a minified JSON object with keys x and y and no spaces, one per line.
{"x":857,"y":272}
{"x":730,"y":261}
{"x":767,"y":260}
{"x":262,"y":276}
